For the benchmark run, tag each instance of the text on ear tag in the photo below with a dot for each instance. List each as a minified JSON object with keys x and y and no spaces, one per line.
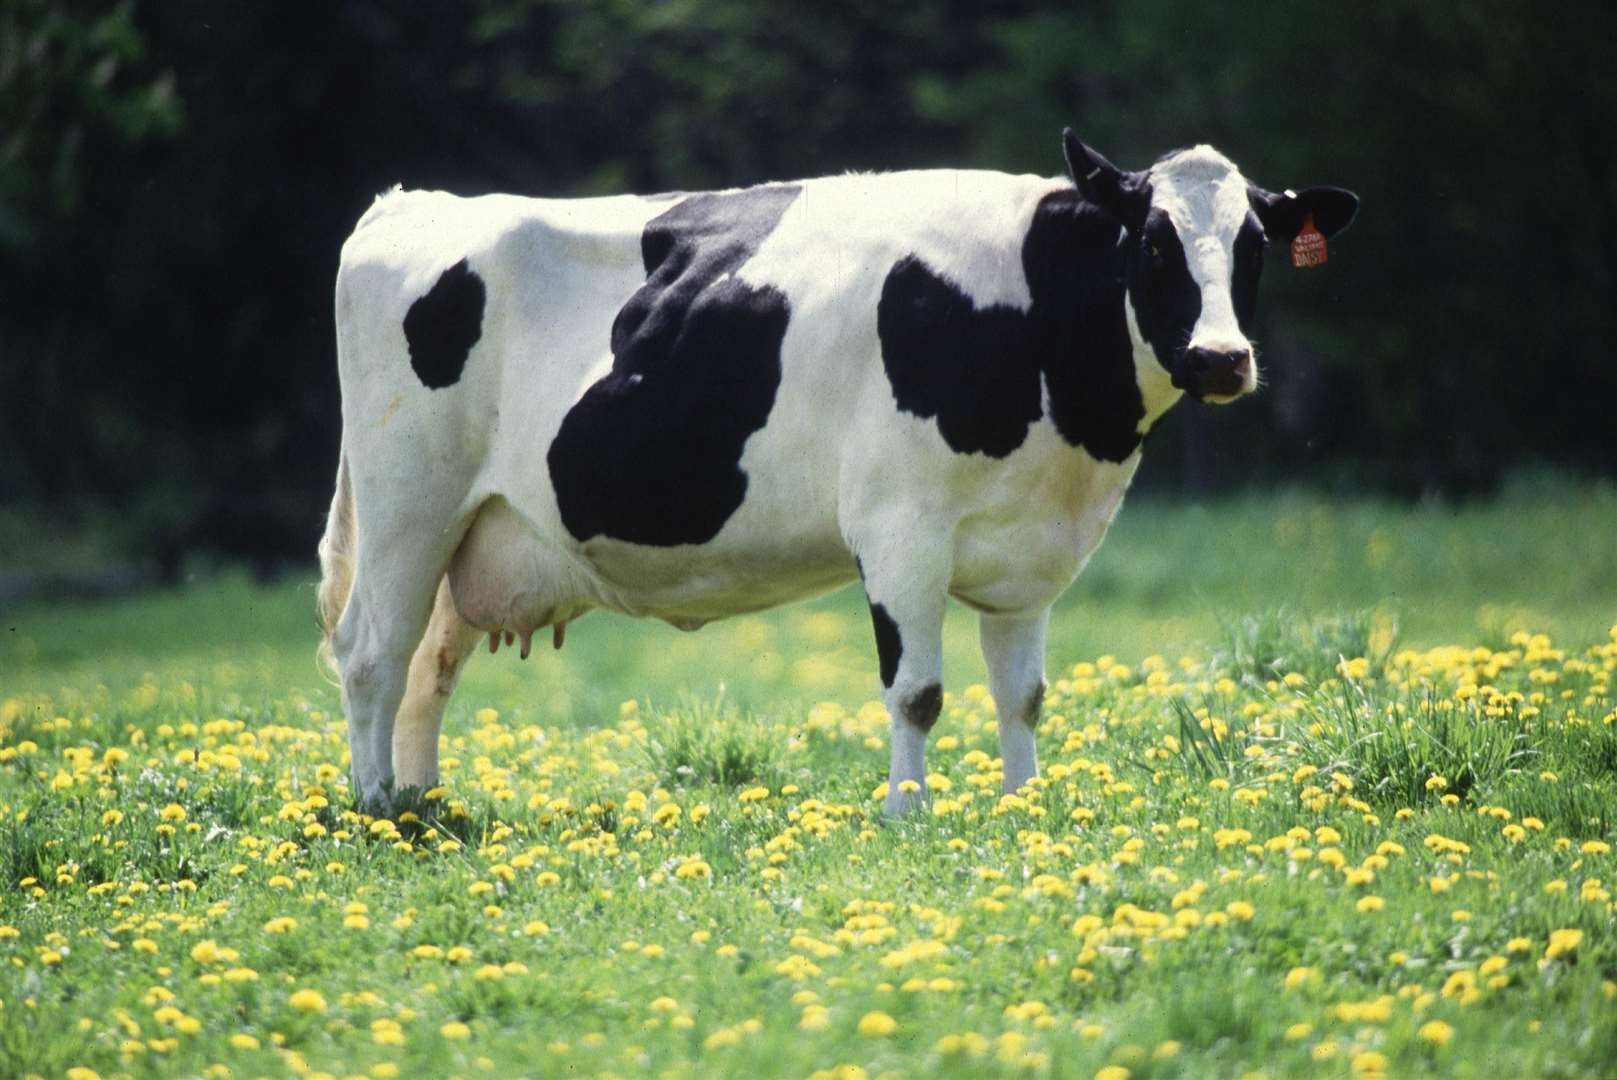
{"x":1308,"y":246}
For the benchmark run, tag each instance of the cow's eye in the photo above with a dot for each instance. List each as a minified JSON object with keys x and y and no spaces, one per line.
{"x":1153,"y":253}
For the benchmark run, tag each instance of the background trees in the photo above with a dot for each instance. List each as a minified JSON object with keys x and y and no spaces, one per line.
{"x":176,"y":180}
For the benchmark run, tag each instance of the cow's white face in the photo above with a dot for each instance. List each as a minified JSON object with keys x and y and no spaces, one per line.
{"x":1200,"y":248}
{"x":1193,"y":232}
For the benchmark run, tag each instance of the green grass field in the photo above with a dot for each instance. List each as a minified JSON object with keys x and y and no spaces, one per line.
{"x":1330,"y":789}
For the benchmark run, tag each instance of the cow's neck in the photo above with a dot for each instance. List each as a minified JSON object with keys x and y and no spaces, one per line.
{"x":1099,"y":385}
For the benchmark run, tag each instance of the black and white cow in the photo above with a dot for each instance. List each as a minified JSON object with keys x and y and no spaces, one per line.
{"x":693,"y":406}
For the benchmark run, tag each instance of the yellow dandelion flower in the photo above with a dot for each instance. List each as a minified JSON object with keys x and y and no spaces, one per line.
{"x":307,"y":1000}
{"x":1436,"y":1032}
{"x":455,"y":1031}
{"x":877,"y":1023}
{"x":1563,"y":943}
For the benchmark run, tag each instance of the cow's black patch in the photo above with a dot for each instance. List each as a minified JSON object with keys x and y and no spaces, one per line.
{"x":442,"y":326}
{"x":946,"y":358}
{"x":982,"y":371}
{"x":889,"y":646}
{"x":651,"y":452}
{"x":1250,"y":243}
{"x":922,"y":708}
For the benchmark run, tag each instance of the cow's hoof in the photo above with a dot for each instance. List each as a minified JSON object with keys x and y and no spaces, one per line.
{"x":904,"y":804}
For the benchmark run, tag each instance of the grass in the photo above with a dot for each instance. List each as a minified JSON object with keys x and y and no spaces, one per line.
{"x":1328,"y":791}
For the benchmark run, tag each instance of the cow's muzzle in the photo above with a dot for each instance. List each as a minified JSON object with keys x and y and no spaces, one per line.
{"x":1216,"y":375}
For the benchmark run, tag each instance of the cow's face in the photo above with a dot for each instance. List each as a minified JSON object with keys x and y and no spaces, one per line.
{"x":1193,"y":232}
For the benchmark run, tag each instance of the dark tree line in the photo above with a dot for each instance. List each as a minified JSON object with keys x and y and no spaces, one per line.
{"x":176,"y":179}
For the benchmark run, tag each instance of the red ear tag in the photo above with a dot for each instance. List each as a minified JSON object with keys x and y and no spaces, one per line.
{"x":1308,"y":246}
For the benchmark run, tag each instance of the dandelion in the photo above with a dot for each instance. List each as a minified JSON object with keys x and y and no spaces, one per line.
{"x":307,"y":1000}
{"x":877,"y":1024}
{"x":1368,"y":904}
{"x":693,"y":868}
{"x":1435,"y":1032}
{"x":455,"y":1031}
{"x":1563,"y":943}
{"x":1369,"y":1063}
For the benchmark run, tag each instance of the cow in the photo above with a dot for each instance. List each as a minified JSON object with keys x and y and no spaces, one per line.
{"x":691,"y":406}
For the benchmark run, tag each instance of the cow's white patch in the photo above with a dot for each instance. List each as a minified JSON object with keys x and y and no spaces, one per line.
{"x":1205,"y":196}
{"x":1157,"y":391}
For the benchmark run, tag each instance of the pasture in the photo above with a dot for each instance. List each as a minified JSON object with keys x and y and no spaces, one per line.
{"x":1330,"y":789}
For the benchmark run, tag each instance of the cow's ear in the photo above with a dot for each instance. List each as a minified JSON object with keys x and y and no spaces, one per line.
{"x":1332,"y":209}
{"x":1124,"y":195}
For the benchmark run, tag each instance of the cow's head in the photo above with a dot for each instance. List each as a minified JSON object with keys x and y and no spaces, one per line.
{"x":1194,"y":232}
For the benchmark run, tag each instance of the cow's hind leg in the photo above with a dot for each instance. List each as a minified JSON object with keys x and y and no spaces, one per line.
{"x":395,"y":579}
{"x":907,"y":603}
{"x":1013,"y":648}
{"x":434,"y":671}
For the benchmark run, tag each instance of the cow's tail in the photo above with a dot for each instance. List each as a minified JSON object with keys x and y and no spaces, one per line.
{"x":336,"y":568}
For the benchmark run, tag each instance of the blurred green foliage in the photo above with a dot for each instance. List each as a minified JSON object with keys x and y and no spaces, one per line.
{"x":71,"y":74}
{"x":176,"y":180}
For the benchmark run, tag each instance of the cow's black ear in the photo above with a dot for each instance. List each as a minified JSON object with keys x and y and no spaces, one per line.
{"x":1124,"y":195}
{"x":1332,"y":208}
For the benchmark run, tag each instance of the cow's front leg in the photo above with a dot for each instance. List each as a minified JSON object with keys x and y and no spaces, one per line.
{"x":906,"y":611}
{"x":1013,"y":648}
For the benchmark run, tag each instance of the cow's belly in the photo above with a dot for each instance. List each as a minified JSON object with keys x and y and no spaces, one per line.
{"x":698,"y":585}
{"x":507,"y":575}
